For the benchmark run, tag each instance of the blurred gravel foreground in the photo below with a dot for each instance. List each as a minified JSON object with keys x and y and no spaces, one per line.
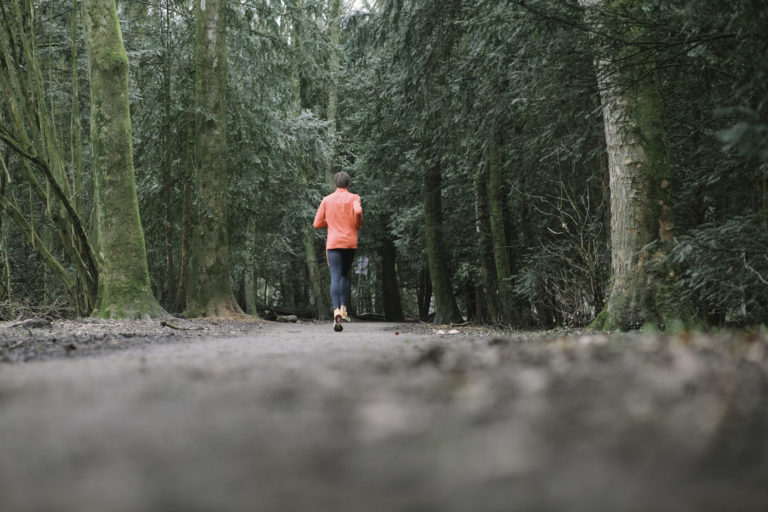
{"x":99,"y":416}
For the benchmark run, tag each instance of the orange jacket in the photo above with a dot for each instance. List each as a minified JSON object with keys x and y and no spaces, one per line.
{"x":342,"y":213}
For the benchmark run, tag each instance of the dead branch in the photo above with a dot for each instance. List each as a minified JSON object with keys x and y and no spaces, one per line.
{"x":32,"y":323}
{"x":179,"y":328}
{"x":752,"y":269}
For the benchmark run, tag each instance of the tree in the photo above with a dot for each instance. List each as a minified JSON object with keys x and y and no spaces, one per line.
{"x":123,"y":289}
{"x":506,"y":300}
{"x":209,"y":291}
{"x":322,"y":305}
{"x":446,"y":310}
{"x":640,"y":184}
{"x":333,"y":86}
{"x":29,"y":131}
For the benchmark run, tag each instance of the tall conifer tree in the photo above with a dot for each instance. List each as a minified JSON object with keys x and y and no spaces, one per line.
{"x":123,"y":284}
{"x":210,"y":288}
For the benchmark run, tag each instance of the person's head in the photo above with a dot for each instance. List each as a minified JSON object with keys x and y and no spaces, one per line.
{"x":342,"y":180}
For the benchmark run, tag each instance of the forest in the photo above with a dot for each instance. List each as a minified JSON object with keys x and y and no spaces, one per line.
{"x":530,"y":163}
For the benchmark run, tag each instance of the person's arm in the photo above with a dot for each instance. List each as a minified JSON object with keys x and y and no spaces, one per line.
{"x":320,"y":221}
{"x":358,"y":208}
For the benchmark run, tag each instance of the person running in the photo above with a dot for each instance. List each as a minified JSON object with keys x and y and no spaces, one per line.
{"x":342,"y":213}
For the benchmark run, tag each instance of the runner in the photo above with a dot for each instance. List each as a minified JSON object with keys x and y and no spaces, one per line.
{"x":342,"y":213}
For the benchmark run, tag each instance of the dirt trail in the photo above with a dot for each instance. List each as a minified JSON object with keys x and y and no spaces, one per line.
{"x":296,"y":417}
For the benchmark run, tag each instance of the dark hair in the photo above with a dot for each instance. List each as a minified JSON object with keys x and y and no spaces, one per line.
{"x":342,"y":180}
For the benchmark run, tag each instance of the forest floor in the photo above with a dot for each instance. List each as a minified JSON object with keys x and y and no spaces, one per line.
{"x":128,"y":416}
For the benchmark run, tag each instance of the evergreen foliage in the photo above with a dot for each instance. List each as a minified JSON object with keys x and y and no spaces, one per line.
{"x":489,"y":93}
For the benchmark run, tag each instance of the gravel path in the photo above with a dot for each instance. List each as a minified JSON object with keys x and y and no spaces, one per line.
{"x":295,"y":417}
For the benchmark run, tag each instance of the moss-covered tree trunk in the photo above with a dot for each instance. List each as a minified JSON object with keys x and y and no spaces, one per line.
{"x":506,"y":306}
{"x":320,"y":290}
{"x":169,"y":281}
{"x":182,"y":282}
{"x":209,"y":291}
{"x":123,"y":284}
{"x":485,"y":249}
{"x":333,"y":87}
{"x":249,"y":291}
{"x":446,"y":310}
{"x":639,"y":180}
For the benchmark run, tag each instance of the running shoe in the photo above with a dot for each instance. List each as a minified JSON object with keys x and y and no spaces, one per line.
{"x":337,"y":319}
{"x":344,"y":315}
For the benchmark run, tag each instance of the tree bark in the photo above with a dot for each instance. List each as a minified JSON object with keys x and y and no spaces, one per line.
{"x":763,"y":188}
{"x":170,"y":268}
{"x":209,"y":293}
{"x":249,"y":291}
{"x":485,"y":250}
{"x":319,"y":290}
{"x":333,"y":87}
{"x":186,"y":233}
{"x":499,"y":236}
{"x":639,"y":181}
{"x":424,"y":293}
{"x":6,"y":278}
{"x":123,"y":285}
{"x":393,"y":308}
{"x":446,"y":310}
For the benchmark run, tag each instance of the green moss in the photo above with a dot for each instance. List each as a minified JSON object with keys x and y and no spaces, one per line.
{"x":600,"y":321}
{"x":123,"y":288}
{"x":650,"y":328}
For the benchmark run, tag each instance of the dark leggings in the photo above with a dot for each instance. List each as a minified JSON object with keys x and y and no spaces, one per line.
{"x":340,"y":263}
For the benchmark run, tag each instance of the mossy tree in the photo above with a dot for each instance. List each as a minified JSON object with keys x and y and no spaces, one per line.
{"x":640,"y":181}
{"x":499,"y":242}
{"x":209,"y":291}
{"x":123,"y":284}
{"x":446,"y":309}
{"x":319,"y":291}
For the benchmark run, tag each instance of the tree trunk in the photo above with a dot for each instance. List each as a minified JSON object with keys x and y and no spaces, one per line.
{"x":186,"y":234}
{"x":639,"y":180}
{"x":763,"y":188}
{"x":169,"y":287}
{"x":6,"y":278}
{"x":482,"y":315}
{"x":123,"y":284}
{"x":393,"y":309}
{"x":446,"y":310}
{"x":498,"y":235}
{"x":249,"y":291}
{"x":319,"y":291}
{"x":333,"y":87}
{"x":287,"y":286}
{"x":424,"y":293}
{"x":76,"y":143}
{"x":485,"y":249}
{"x":209,"y":292}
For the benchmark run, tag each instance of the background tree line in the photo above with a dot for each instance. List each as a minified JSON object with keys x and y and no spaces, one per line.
{"x":529,"y":163}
